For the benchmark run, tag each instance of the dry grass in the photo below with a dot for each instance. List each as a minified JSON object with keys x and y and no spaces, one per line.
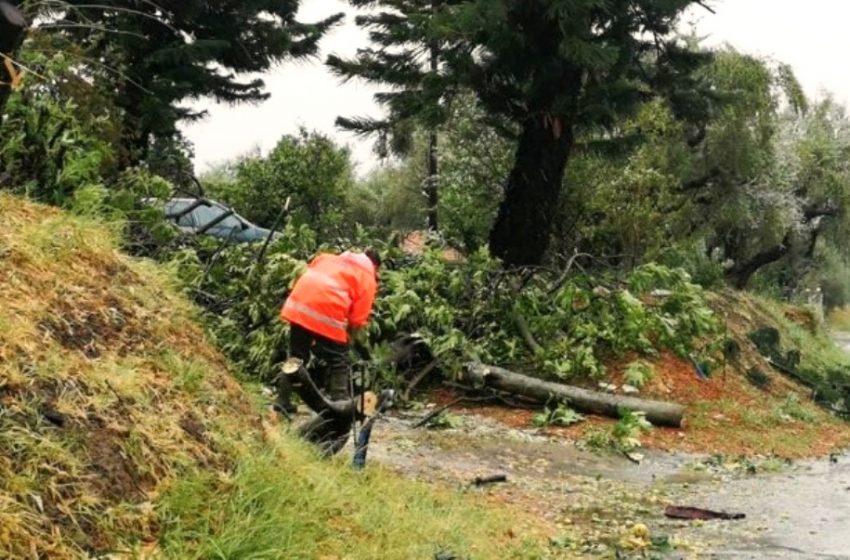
{"x":92,"y":424}
{"x":122,"y":433}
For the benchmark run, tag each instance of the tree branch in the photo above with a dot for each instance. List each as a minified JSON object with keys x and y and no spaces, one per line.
{"x":813,"y":211}
{"x":700,"y":182}
{"x":741,"y":272}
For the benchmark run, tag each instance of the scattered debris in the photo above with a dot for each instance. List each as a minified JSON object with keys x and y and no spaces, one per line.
{"x":692,"y":513}
{"x":636,"y":458}
{"x":607,"y":387}
{"x":561,"y":415}
{"x":637,"y":538}
{"x":492,"y":479}
{"x":436,"y":412}
{"x":630,"y":390}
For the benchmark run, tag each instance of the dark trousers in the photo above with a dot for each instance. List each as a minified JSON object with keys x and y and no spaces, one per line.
{"x":329,"y":366}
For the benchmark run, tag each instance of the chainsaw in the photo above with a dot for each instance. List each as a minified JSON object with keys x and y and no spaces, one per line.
{"x":382,"y":404}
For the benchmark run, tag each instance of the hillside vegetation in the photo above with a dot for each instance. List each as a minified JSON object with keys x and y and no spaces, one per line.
{"x":571,"y":190}
{"x":778,"y":387}
{"x":122,"y":432}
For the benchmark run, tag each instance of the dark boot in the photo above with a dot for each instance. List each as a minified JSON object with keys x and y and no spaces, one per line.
{"x":284,"y":404}
{"x":329,"y":435}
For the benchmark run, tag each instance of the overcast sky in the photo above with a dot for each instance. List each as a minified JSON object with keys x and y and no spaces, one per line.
{"x":812,"y":36}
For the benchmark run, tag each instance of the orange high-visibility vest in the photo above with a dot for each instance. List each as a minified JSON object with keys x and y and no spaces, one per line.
{"x":336,"y":292}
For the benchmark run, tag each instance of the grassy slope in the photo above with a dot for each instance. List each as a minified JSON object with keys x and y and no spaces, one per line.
{"x":121,"y":430}
{"x":729,"y":414}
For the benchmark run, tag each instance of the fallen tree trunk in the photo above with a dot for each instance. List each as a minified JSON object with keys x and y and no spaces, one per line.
{"x":583,"y":400}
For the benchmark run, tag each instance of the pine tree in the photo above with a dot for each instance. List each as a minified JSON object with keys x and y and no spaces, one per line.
{"x":170,"y":51}
{"x":408,"y":61}
{"x":552,"y":68}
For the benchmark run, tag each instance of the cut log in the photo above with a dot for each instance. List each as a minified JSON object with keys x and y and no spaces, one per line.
{"x":659,"y":413}
{"x":303,"y":384}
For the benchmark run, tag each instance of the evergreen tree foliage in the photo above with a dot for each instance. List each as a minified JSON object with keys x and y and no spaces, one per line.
{"x":166,"y":52}
{"x":553,"y":68}
{"x":408,"y":61}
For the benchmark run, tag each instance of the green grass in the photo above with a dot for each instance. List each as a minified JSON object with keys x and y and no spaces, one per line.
{"x":187,"y":374}
{"x":819,"y":353}
{"x":161,"y":453}
{"x":282,"y":502}
{"x":792,"y":409}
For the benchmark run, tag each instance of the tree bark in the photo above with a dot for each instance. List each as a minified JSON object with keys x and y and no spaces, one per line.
{"x":525,"y":333}
{"x":741,"y":273}
{"x":583,"y":400}
{"x":522,"y":230}
{"x":12,"y":33}
{"x":432,"y":190}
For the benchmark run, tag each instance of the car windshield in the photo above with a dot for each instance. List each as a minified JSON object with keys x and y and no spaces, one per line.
{"x":206,"y":214}
{"x":174,"y":207}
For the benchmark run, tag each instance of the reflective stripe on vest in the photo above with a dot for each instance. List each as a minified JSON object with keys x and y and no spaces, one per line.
{"x":313,"y":314}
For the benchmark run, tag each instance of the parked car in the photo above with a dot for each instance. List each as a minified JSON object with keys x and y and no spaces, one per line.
{"x":208,"y":217}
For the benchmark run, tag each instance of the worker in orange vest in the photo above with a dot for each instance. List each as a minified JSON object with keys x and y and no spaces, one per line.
{"x":330,"y":301}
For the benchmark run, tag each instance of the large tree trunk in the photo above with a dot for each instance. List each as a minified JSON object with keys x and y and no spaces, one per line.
{"x":583,"y":400}
{"x":12,"y":32}
{"x":522,"y":230}
{"x":432,"y":189}
{"x":741,"y":273}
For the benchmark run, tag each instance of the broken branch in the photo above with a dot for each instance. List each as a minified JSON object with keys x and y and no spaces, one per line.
{"x":418,"y":379}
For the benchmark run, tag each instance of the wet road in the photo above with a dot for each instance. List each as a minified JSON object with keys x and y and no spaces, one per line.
{"x":793,"y":511}
{"x":804,"y":513}
{"x":800,"y":512}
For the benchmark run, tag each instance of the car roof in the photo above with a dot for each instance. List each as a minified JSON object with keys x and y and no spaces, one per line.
{"x":215,"y":203}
